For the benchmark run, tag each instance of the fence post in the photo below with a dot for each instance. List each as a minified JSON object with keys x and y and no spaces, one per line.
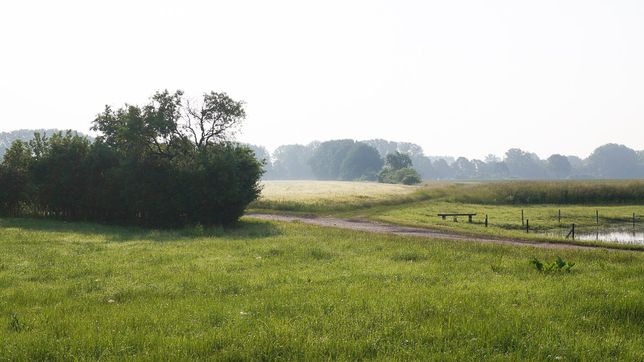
{"x":559,"y":216}
{"x":485,"y":220}
{"x":522,"y":222}
{"x":597,"y":216}
{"x":571,"y":232}
{"x":527,"y":225}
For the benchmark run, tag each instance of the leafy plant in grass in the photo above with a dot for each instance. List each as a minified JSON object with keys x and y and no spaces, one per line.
{"x":319,"y":254}
{"x":15,"y":324}
{"x":559,"y":265}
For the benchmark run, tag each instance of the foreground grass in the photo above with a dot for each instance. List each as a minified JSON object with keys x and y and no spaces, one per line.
{"x":291,"y":291}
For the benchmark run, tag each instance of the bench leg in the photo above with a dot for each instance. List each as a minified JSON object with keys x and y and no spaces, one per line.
{"x":443,"y":217}
{"x":469,"y":218}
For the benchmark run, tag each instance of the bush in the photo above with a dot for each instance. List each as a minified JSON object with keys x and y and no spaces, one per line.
{"x":407,"y":176}
{"x":411,"y":180}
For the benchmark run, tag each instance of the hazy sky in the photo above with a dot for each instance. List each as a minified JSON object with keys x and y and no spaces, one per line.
{"x":457,"y":77}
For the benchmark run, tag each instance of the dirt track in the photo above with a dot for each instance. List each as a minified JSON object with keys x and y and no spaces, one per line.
{"x":376,"y":227}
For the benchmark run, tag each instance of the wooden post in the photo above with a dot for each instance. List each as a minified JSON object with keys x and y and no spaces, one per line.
{"x":485,"y":220}
{"x":571,"y":232}
{"x":597,"y":216}
{"x":559,"y":216}
{"x":522,"y":222}
{"x":527,"y":225}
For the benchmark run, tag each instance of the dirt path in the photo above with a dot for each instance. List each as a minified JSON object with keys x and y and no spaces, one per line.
{"x":376,"y":227}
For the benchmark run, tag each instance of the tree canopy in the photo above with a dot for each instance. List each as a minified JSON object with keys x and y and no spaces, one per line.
{"x":345,"y":160}
{"x":398,"y":169}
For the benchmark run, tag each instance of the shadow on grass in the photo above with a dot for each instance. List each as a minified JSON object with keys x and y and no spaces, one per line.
{"x":243,"y":229}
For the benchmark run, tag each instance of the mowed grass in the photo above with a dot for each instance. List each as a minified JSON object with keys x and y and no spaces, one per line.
{"x":331,"y":196}
{"x":267,"y":291}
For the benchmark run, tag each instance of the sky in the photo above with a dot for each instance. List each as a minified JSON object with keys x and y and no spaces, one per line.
{"x":459,"y":77}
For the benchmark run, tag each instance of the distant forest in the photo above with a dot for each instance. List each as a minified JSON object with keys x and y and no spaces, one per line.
{"x":610,"y":161}
{"x":354,"y":160}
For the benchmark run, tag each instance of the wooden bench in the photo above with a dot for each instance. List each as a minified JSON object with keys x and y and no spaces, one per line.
{"x":469,"y":216}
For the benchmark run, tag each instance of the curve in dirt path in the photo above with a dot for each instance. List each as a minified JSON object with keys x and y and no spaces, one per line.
{"x":382,"y":228}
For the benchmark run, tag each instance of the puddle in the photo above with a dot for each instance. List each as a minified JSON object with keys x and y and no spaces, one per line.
{"x":623,"y":234}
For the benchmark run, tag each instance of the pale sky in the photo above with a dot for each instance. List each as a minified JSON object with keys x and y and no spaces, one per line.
{"x":460,"y":78}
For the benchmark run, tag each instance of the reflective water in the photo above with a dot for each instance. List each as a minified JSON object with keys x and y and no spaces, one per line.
{"x":624,"y":234}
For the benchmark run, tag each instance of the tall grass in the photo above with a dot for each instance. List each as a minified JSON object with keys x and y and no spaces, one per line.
{"x":543,"y":192}
{"x":338,"y":204}
{"x":331,"y":196}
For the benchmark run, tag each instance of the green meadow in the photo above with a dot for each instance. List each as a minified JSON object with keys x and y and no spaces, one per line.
{"x":541,"y":203}
{"x":267,"y":291}
{"x":290,"y":291}
{"x":540,"y":222}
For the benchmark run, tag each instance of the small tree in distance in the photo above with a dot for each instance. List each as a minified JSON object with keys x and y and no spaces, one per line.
{"x":398,"y":169}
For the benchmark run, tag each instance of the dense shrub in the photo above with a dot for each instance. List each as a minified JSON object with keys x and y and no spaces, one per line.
{"x":149,"y":166}
{"x":407,"y":176}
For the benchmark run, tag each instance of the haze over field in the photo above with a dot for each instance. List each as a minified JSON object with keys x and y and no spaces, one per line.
{"x":462,"y":78}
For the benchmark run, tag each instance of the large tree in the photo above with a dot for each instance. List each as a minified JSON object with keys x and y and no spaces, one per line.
{"x":524,"y":165}
{"x":291,"y":162}
{"x":398,"y":169}
{"x":327,"y":158}
{"x":559,"y":167}
{"x":361,"y":162}
{"x":614,"y":161}
{"x":397,"y":160}
{"x":464,"y":169}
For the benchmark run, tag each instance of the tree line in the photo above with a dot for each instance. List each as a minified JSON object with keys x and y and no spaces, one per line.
{"x":317,"y":161}
{"x":167,"y":163}
{"x":344,"y":159}
{"x":348,"y":159}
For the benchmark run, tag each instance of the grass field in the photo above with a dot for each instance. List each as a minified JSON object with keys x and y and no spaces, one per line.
{"x":267,"y":291}
{"x":330,"y":190}
{"x":332,"y":196}
{"x":505,"y":221}
{"x":419,"y":206}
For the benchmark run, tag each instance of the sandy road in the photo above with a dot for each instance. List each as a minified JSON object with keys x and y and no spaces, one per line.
{"x":382,"y":228}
